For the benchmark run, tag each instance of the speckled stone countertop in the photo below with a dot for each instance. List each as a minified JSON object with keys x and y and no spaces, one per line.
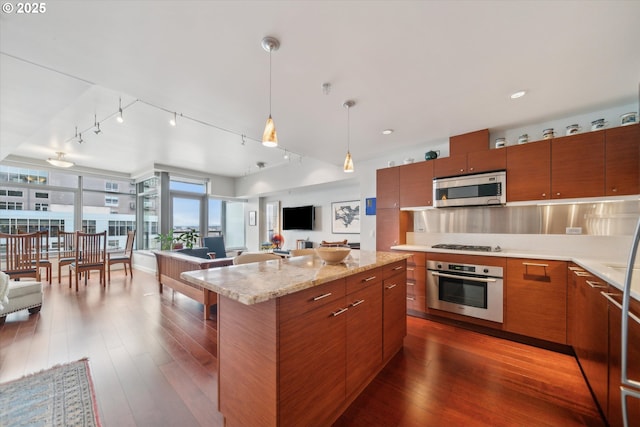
{"x":263,"y":281}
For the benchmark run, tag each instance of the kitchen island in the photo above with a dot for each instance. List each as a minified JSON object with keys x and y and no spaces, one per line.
{"x":299,"y":340}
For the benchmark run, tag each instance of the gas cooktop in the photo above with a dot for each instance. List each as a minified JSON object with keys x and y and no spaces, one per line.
{"x":466,"y":247}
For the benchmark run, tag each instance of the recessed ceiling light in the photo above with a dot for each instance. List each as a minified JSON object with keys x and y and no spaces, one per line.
{"x":387,"y":131}
{"x":518,"y":94}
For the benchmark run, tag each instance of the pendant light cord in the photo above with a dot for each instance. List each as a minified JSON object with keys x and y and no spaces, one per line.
{"x":348,"y":129}
{"x":270,"y":82}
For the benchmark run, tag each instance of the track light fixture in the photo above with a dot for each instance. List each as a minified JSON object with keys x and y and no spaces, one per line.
{"x":119,"y":118}
{"x":269,"y":136}
{"x":348,"y":161}
{"x":80,"y":140}
{"x":173,"y":121}
{"x":59,"y":161}
{"x":96,"y":124}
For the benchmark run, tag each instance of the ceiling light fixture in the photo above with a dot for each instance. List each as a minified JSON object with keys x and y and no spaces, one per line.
{"x":96,"y":124}
{"x":518,"y":94}
{"x":173,"y":121}
{"x":348,"y":161}
{"x":269,"y":136}
{"x":60,"y":161}
{"x":80,"y":140}
{"x":387,"y":131}
{"x":120,"y":119}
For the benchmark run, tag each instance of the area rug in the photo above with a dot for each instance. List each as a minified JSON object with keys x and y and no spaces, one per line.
{"x":60,"y":396}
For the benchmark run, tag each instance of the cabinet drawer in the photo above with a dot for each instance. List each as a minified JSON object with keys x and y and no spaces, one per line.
{"x":536,"y":271}
{"x":364,"y":279}
{"x":416,"y":273}
{"x":416,"y":295}
{"x":301,"y":302}
{"x":394,"y":268}
{"x":417,"y":259}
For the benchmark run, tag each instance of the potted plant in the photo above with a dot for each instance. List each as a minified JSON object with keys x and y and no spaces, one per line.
{"x":167,"y":241}
{"x":189,"y":238}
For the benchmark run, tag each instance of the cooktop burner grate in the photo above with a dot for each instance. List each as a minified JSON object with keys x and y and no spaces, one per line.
{"x":463,"y":247}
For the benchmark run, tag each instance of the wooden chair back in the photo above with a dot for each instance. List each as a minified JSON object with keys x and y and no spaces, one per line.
{"x":91,"y":249}
{"x":128,"y":248}
{"x":66,"y":244}
{"x":20,"y":255}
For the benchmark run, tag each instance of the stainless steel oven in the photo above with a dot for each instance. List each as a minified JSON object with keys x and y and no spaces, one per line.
{"x":467,"y":289}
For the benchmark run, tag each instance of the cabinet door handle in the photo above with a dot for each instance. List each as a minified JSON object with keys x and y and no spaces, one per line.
{"x":411,"y":298}
{"x":533,"y":264}
{"x":339,"y":312}
{"x":594,"y":284}
{"x":617,"y":304}
{"x":391,"y":286}
{"x":357,"y":303}
{"x":368,"y":279}
{"x":319,"y":297}
{"x":581,"y":273}
{"x":398,"y":267}
{"x":411,"y":269}
{"x":410,"y":284}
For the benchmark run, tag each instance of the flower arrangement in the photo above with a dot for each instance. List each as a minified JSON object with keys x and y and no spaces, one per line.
{"x":277,"y":240}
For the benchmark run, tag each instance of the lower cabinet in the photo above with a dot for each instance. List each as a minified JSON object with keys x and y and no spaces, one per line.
{"x":614,"y":414}
{"x":536,"y":299}
{"x":416,"y":283}
{"x":394,"y":318}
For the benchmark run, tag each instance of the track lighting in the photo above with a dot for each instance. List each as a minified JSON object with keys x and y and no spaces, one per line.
{"x":173,"y":121}
{"x":119,"y":118}
{"x":348,"y":161}
{"x":80,"y":140}
{"x":96,"y":124}
{"x":59,"y":161}
{"x":269,"y":136}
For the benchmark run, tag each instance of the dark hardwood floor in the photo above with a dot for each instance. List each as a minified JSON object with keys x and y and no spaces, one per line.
{"x":153,"y":363}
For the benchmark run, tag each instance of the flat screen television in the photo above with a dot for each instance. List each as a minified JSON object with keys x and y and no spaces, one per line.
{"x":298,"y":218}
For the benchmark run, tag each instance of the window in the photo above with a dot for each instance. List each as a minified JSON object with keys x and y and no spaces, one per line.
{"x":42,"y":207}
{"x":110,"y":201}
{"x":111,"y":186}
{"x":88,"y":226}
{"x":11,"y":206}
{"x":42,"y":195}
{"x":11,"y":193}
{"x":23,"y":175}
{"x":120,"y":228}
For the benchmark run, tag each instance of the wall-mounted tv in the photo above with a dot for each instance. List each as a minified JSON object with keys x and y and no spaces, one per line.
{"x":298,"y":218}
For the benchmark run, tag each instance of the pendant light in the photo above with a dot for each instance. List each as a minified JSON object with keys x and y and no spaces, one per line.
{"x":348,"y":161}
{"x":269,"y":136}
{"x":119,"y":117}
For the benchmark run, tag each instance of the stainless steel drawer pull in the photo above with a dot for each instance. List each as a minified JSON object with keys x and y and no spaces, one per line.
{"x":319,"y":297}
{"x":368,"y":279}
{"x":582,"y":273}
{"x":533,"y":264}
{"x":400,"y":267}
{"x":391,"y":286}
{"x":410,"y":284}
{"x":411,"y":269}
{"x":470,"y":279}
{"x":339,"y":312}
{"x":617,"y":304}
{"x":354,"y":304}
{"x":411,"y":298}
{"x":595,"y":284}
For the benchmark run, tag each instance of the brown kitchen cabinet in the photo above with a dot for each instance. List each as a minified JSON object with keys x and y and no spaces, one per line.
{"x":416,"y":184}
{"x":312,"y":362}
{"x":529,"y":171}
{"x":388,"y":188}
{"x":591,"y":334}
{"x":416,"y":283}
{"x":614,"y":413}
{"x":622,"y":160}
{"x":394,"y":319}
{"x":391,"y":228}
{"x":577,"y":165}
{"x":536,"y":299}
{"x":465,"y":164}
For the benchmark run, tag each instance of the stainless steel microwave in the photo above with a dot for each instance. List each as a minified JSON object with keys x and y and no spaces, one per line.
{"x":483,"y":189}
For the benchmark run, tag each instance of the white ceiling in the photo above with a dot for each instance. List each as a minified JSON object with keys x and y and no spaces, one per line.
{"x":428,"y":69}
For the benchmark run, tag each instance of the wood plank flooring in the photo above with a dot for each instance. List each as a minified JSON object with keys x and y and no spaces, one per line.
{"x":153,"y":362}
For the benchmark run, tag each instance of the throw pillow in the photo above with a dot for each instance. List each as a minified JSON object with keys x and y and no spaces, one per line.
{"x":4,"y":289}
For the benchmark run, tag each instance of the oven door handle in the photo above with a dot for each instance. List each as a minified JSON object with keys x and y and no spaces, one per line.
{"x":472,"y":279}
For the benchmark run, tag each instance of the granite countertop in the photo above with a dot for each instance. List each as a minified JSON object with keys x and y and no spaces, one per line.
{"x":262,"y":281}
{"x":612,"y":272}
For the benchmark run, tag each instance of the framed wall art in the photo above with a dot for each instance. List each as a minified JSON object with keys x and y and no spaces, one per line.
{"x":345,"y":217}
{"x":252,"y":217}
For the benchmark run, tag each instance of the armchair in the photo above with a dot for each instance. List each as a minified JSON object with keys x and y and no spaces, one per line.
{"x":215,"y":244}
{"x":18,"y":295}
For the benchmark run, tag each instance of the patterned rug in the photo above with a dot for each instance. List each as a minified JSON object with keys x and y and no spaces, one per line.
{"x":60,"y":396}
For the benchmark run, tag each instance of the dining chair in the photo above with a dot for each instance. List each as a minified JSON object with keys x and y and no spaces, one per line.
{"x":247,"y":258}
{"x":20,"y":255}
{"x":66,"y":252}
{"x":45,"y":262}
{"x":300,"y":252}
{"x":125,"y":258}
{"x":90,"y":255}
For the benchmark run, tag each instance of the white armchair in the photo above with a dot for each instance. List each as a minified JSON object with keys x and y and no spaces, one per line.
{"x":18,"y":295}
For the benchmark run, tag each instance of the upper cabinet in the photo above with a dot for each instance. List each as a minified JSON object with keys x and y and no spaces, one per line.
{"x":622,"y":160}
{"x":469,"y":153}
{"x":577,"y":166}
{"x":388,"y":188}
{"x":528,"y":171}
{"x":416,"y":184}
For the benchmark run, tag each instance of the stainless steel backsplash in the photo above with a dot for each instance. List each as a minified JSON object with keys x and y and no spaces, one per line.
{"x":612,"y":218}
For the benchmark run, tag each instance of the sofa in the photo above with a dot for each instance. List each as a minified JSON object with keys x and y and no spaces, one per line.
{"x":19,"y":295}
